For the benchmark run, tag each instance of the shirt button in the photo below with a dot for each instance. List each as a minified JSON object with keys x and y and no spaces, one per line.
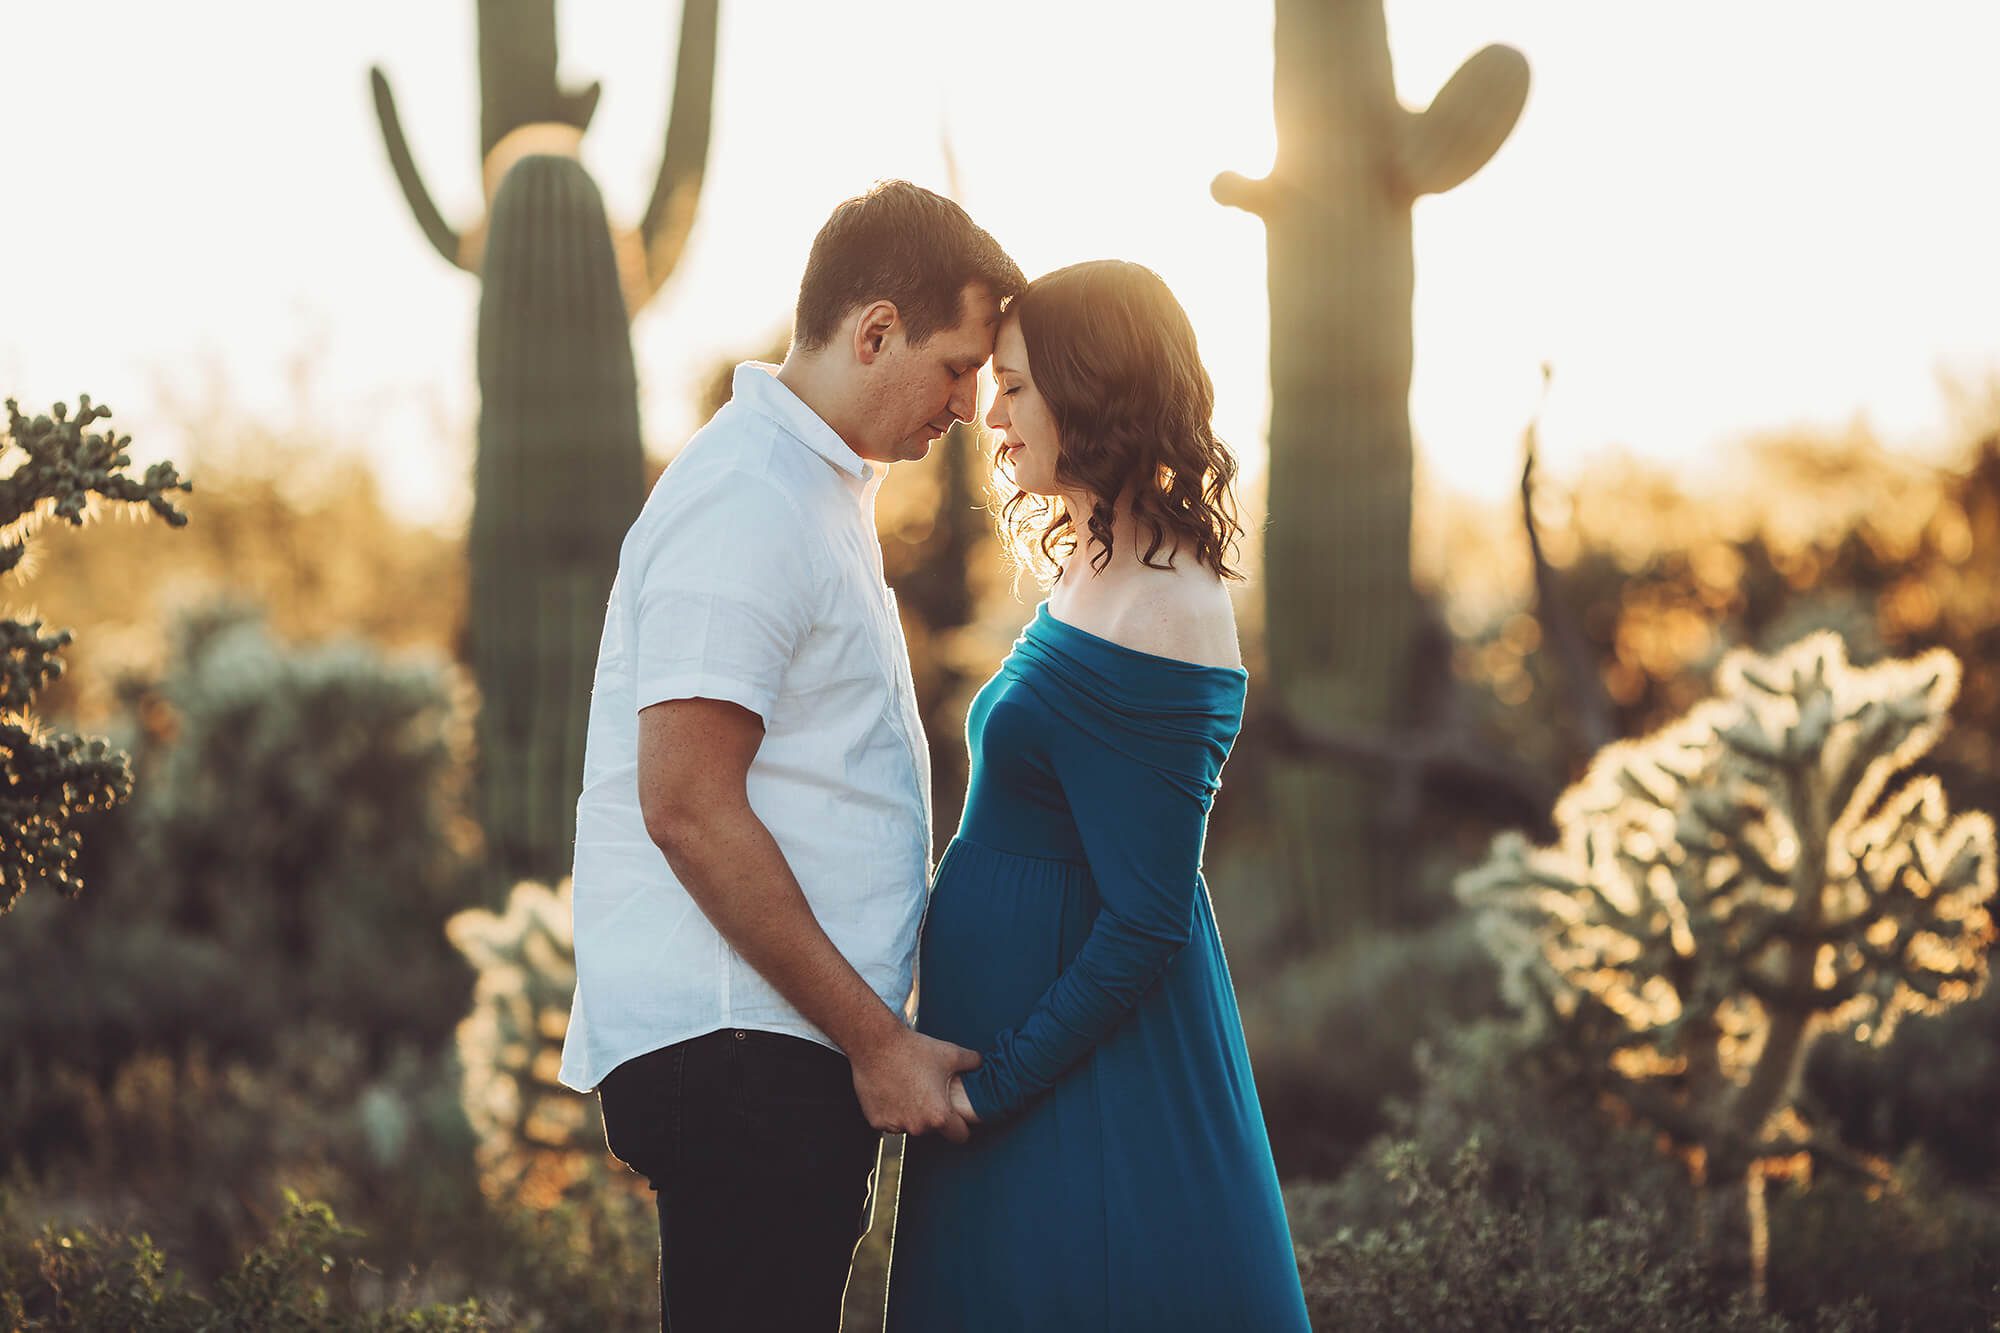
{"x":739,"y":1034}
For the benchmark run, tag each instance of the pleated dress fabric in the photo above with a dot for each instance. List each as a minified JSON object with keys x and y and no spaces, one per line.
{"x":1120,"y":1178}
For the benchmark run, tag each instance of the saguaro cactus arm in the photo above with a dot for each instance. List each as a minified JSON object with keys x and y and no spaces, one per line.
{"x":670,"y":214}
{"x":517,"y":73}
{"x":442,"y":236}
{"x":1442,"y":146}
{"x":1233,"y":190}
{"x":1466,"y":123}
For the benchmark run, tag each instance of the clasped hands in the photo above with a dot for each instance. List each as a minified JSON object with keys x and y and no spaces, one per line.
{"x":911,"y":1085}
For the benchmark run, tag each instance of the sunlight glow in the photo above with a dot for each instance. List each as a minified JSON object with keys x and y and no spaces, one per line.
{"x":1784,"y":245}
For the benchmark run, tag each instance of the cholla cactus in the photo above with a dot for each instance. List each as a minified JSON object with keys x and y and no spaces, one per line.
{"x":1730,"y":889}
{"x":45,"y":780}
{"x":537,"y":1140}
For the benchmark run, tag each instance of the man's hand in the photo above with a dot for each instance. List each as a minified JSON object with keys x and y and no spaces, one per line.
{"x":902,"y":1085}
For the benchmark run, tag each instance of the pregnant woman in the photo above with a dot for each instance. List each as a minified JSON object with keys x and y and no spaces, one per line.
{"x":1118,"y":1176}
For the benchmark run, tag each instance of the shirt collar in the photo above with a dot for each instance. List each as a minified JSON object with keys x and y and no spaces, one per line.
{"x":757,"y":385}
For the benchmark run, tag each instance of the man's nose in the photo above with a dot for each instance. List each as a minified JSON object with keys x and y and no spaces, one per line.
{"x":965,"y":402}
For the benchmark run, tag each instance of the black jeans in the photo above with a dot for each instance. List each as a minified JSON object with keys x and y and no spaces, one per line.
{"x":760,"y":1156}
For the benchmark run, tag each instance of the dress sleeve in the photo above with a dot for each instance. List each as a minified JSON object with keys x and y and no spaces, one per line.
{"x":1142,"y":832}
{"x":725,"y":598}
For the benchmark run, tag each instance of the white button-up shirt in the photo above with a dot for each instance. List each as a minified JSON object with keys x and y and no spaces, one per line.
{"x":753,"y":575}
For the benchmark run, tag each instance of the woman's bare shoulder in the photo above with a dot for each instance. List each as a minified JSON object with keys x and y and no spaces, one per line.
{"x":1182,"y":613}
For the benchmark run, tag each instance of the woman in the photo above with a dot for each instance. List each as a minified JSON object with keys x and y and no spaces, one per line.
{"x":1118,"y":1176}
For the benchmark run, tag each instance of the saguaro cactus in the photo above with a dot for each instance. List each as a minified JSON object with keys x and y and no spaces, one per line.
{"x":1340,"y":605}
{"x":559,"y":478}
{"x":522,"y":111}
{"x":1726,"y":892}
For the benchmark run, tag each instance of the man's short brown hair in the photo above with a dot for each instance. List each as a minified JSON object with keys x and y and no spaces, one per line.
{"x":901,"y":243}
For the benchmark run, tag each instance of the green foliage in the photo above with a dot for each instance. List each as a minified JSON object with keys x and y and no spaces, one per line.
{"x":46,"y":781}
{"x":1458,"y":1259}
{"x":1336,"y":1036}
{"x":258,"y":992}
{"x":294,"y":1278}
{"x":557,"y":482}
{"x":189,"y":1145}
{"x":1923,"y":1253}
{"x":1509,"y":1194}
{"x":1499,"y":1196}
{"x":287,"y":519}
{"x":1936,"y":1085}
{"x":291,"y":856}
{"x":1544,"y":1137}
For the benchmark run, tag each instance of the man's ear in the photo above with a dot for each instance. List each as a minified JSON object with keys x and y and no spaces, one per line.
{"x":871,"y":330}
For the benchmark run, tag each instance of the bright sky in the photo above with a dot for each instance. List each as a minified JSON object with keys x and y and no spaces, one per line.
{"x":1713,"y":219}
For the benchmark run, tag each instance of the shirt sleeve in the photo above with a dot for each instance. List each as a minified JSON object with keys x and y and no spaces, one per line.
{"x":1142,"y":836}
{"x":726,"y":596}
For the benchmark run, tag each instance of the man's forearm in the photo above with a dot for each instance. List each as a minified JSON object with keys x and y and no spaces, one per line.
{"x":737,"y":875}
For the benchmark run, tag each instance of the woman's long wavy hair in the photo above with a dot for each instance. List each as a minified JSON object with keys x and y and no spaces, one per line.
{"x":1114,"y":356}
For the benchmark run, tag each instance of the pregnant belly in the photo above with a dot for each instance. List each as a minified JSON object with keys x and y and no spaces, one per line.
{"x":999,"y":930}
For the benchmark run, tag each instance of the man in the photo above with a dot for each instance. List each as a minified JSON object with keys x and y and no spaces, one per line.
{"x":743,"y":1001}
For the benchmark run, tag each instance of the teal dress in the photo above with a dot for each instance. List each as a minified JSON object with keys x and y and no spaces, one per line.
{"x":1120,"y":1178}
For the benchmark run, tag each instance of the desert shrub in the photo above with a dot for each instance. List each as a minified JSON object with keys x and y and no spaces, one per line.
{"x":188,"y":1150}
{"x":1508,"y":1194}
{"x":1921,"y":1252}
{"x":1936,"y":1086}
{"x":1544,"y":1137}
{"x":295,"y":1277}
{"x":291,"y":856}
{"x":288,"y":518}
{"x":1333,"y":1037}
{"x":1458,"y":1257}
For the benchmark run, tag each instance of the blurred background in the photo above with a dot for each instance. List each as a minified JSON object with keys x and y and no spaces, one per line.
{"x":1662,"y":336}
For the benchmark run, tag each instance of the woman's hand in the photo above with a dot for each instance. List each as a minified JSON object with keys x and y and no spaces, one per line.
{"x":959,"y":1101}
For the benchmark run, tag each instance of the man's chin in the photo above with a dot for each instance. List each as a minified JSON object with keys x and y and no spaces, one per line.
{"x":915,"y":449}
